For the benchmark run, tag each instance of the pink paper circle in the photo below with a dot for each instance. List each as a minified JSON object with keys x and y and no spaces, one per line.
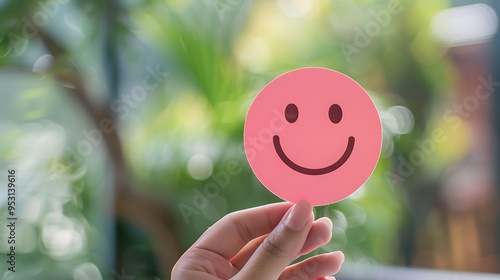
{"x":313,"y":134}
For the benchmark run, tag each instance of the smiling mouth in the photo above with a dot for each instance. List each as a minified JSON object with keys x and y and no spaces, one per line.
{"x":313,"y":171}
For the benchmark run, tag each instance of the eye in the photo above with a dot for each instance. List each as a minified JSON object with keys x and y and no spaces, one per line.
{"x":335,"y":113}
{"x":291,"y":113}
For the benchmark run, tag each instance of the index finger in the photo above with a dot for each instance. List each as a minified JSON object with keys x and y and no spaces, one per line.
{"x":228,"y":236}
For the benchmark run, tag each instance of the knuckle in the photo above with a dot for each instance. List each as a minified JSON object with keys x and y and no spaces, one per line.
{"x":273,"y":248}
{"x":242,"y":230}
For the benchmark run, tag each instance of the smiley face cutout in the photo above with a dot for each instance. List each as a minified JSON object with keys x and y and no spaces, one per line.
{"x":313,"y":134}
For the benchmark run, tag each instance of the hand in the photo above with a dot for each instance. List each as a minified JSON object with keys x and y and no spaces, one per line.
{"x":260,"y":243}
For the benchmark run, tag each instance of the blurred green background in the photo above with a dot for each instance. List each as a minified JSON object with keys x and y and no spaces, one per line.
{"x":117,"y":115}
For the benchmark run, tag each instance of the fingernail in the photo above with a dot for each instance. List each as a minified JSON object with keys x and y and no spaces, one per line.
{"x":327,"y":222}
{"x":340,"y":255}
{"x":298,"y":216}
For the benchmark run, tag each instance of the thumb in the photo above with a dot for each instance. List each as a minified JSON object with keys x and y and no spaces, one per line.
{"x":282,"y":245}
